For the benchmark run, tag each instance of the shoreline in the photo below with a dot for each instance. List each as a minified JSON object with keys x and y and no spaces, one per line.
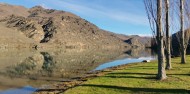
{"x":62,"y":86}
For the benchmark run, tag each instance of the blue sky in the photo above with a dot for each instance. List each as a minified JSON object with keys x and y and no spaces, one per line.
{"x":119,"y":16}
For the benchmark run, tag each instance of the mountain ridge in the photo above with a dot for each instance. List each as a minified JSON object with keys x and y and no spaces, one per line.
{"x":55,"y":28}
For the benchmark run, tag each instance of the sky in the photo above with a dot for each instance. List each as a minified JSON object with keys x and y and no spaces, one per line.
{"x":119,"y":16}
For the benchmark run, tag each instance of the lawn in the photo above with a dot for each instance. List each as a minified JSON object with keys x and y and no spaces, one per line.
{"x":139,"y":78}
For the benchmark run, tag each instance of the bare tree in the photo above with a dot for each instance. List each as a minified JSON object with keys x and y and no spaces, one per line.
{"x":187,"y":23}
{"x":155,"y":19}
{"x":182,"y":13}
{"x":160,"y":40}
{"x":168,"y":43}
{"x":182,"y":42}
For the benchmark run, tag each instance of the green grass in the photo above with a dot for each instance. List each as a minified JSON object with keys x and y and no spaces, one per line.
{"x":139,"y":78}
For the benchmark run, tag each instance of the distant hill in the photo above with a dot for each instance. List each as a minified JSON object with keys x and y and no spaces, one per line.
{"x":176,"y":42}
{"x":136,"y":40}
{"x":54,"y":28}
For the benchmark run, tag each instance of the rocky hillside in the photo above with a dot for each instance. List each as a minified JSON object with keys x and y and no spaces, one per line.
{"x":53,"y":28}
{"x":136,"y":40}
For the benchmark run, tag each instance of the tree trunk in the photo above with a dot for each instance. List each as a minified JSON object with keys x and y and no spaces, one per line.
{"x":183,"y":56}
{"x":161,"y":58}
{"x":168,"y":44}
{"x":182,"y":42}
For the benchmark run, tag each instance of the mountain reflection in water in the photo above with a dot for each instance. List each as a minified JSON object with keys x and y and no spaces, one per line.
{"x":39,"y":69}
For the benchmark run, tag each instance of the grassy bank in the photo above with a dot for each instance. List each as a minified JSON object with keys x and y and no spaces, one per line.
{"x":139,"y":78}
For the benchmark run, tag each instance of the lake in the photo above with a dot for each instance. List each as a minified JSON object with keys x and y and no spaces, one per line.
{"x":24,"y":71}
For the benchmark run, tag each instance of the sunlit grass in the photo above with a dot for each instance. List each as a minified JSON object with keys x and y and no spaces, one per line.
{"x":139,"y":78}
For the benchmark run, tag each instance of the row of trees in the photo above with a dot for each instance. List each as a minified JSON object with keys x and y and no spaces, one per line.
{"x":160,"y":13}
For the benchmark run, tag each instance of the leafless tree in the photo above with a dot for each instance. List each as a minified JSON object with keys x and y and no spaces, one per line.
{"x":184,"y":29}
{"x":155,"y":19}
{"x":182,"y":42}
{"x":182,"y":13}
{"x":167,"y":28}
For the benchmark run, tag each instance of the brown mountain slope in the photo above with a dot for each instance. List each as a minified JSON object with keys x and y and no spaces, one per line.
{"x":136,"y":40}
{"x":6,"y":10}
{"x":53,"y":28}
{"x":11,"y":38}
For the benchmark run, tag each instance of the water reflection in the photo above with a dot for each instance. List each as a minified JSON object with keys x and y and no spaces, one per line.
{"x":40,"y":68}
{"x":139,"y":52}
{"x":122,"y":62}
{"x":39,"y":64}
{"x":48,"y":64}
{"x":24,"y":90}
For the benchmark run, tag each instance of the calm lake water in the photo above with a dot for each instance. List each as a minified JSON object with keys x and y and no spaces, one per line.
{"x":24,"y":71}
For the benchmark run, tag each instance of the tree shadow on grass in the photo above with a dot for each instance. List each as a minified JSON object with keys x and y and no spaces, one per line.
{"x":124,"y":73}
{"x":144,"y":68}
{"x":148,"y":68}
{"x":180,"y":74}
{"x":141,"y":90}
{"x":131,"y":77}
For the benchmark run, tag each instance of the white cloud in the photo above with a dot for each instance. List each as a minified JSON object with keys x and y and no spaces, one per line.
{"x":145,"y":35}
{"x":142,"y":35}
